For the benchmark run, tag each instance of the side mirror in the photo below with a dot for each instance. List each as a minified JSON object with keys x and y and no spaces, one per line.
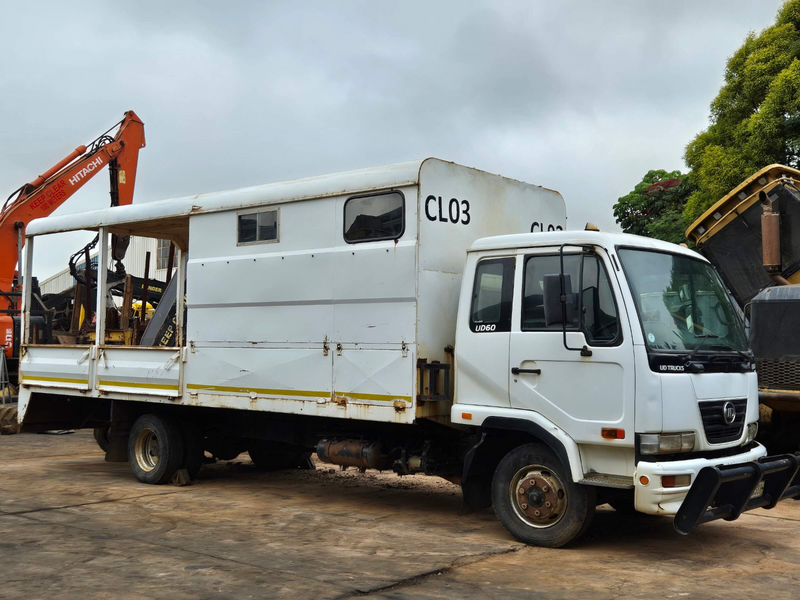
{"x":553,"y":310}
{"x":684,"y":293}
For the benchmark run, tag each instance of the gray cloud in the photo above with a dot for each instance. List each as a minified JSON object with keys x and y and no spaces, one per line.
{"x":580,"y":96}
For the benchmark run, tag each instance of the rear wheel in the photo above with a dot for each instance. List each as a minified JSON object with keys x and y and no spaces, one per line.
{"x":101,"y":436}
{"x":536,"y":500}
{"x":155,"y":449}
{"x":192,"y":449}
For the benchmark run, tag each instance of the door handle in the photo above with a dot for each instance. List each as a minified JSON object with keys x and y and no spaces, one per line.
{"x":517,"y":371}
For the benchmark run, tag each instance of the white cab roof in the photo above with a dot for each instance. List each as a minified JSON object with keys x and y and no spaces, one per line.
{"x":597,"y":238}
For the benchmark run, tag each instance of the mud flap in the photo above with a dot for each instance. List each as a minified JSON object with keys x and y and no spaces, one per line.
{"x":726,"y":491}
{"x":476,"y":480}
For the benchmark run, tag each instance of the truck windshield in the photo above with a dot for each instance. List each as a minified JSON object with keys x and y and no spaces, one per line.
{"x":681,"y":302}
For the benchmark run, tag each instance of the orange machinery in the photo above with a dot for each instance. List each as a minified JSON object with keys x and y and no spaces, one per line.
{"x":51,"y":189}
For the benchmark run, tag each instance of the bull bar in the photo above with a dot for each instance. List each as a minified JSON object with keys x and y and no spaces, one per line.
{"x":726,"y":491}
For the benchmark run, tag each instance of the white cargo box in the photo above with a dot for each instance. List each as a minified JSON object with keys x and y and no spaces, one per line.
{"x":317,"y":296}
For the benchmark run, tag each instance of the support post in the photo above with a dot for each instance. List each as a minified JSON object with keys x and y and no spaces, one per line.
{"x":27,"y":292}
{"x":170,"y":263}
{"x":20,"y":242}
{"x":127,"y":303}
{"x":102,"y":296}
{"x":179,"y":293}
{"x":87,"y":275}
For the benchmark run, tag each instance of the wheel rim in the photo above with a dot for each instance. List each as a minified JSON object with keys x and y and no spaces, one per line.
{"x":538,"y":496}
{"x":147,"y":449}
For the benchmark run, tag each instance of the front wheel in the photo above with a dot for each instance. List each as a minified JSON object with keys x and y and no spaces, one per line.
{"x":536,"y":500}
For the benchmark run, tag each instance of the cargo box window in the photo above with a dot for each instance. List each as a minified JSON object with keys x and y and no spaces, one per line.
{"x":257,"y":227}
{"x":374,"y":217}
{"x":491,"y":295}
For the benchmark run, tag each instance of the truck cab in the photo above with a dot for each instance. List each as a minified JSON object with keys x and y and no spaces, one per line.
{"x":625,"y":354}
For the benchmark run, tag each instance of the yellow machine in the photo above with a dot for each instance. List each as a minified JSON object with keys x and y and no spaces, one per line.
{"x":752,"y":237}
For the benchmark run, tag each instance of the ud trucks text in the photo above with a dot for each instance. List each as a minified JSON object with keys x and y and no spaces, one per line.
{"x":427,"y":318}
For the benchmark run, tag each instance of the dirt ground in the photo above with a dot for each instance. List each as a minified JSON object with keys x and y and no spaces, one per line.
{"x":74,"y":526}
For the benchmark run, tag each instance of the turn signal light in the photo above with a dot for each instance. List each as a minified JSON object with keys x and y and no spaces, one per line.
{"x":673,"y":481}
{"x":610,"y":433}
{"x":644,"y":480}
{"x":466,"y":416}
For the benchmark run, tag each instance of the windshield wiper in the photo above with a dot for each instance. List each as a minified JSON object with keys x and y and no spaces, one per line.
{"x":730,"y":348}
{"x":747,"y":357}
{"x":704,"y":338}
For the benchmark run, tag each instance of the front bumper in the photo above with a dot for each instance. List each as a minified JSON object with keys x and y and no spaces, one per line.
{"x":725,"y":492}
{"x":654,"y":499}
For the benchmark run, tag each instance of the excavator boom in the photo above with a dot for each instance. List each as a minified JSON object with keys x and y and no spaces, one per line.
{"x":51,"y":189}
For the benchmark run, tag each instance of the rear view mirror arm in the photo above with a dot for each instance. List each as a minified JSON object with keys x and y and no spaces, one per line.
{"x":585,"y":349}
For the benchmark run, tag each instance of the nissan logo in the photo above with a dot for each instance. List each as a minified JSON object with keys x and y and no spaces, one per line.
{"x":729,"y":413}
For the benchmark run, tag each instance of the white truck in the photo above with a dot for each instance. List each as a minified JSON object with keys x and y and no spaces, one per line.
{"x":425,"y":317}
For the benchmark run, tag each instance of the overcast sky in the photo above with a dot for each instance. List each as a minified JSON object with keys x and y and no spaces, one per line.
{"x":584,"y":96}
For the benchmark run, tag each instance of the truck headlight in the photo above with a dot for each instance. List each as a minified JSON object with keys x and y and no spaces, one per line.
{"x":666,"y":443}
{"x":752,"y":430}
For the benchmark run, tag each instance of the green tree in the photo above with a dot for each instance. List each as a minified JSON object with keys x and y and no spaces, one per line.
{"x":655,"y":206}
{"x":755,"y":118}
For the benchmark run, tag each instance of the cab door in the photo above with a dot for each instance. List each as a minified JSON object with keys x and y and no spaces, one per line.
{"x":482,"y":335}
{"x":581,"y":394}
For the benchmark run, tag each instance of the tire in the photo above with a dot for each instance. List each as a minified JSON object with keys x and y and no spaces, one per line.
{"x":192,"y":449}
{"x":155,"y":449}
{"x":277,"y":457}
{"x":525,"y":481}
{"x":101,"y":435}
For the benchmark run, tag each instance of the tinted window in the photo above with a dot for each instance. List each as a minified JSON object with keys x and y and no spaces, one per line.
{"x":491,"y":295}
{"x":536,"y":267}
{"x":600,"y":323}
{"x":371,"y":218}
{"x":248,"y":228}
{"x":258,"y":227}
{"x":591,"y":306}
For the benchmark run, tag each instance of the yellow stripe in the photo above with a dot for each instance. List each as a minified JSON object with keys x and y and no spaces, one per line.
{"x":304,"y":393}
{"x":53,"y":379}
{"x":136,"y":384}
{"x":376,"y":397}
{"x":224,"y":388}
{"x":242,"y":390}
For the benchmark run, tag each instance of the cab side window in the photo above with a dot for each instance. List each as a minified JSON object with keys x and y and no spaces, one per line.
{"x":492,"y":295}
{"x":536,"y":267}
{"x":590,"y":299}
{"x":599,"y":312}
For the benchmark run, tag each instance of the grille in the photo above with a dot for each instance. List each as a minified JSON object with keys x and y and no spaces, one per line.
{"x":778,"y":374}
{"x":717,"y":431}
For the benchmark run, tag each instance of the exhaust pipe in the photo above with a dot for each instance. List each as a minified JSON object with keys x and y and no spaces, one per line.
{"x":771,"y":239}
{"x":353,"y":453}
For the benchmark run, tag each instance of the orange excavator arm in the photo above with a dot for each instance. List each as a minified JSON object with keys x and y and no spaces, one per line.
{"x":51,"y":189}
